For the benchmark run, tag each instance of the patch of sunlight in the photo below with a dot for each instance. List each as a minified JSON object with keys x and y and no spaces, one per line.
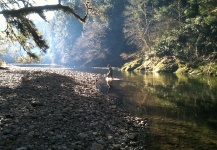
{"x":156,"y":70}
{"x":82,"y":91}
{"x":10,"y":81}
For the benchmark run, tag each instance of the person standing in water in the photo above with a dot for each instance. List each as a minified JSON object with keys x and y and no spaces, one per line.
{"x":110,"y":71}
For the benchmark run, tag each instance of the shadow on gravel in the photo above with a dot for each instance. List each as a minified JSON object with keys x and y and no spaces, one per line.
{"x":47,"y":111}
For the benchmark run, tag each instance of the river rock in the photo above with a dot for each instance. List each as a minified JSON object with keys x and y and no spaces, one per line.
{"x":61,"y":109}
{"x":82,"y":135}
{"x":97,"y":146}
{"x":22,"y":148}
{"x":31,"y":134}
{"x":36,"y":103}
{"x":132,"y":136}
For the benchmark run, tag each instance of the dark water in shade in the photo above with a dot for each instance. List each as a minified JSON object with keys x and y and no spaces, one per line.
{"x":182,"y":109}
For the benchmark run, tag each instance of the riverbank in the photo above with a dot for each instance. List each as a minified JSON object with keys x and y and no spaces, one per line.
{"x":170,"y":64}
{"x":63,"y":109}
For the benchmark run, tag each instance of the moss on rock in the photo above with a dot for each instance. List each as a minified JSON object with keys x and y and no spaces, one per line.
{"x":165,"y":64}
{"x":133,"y":65}
{"x":170,"y":64}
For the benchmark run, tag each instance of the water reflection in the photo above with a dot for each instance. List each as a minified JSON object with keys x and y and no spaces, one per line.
{"x":182,"y":108}
{"x":109,"y":83}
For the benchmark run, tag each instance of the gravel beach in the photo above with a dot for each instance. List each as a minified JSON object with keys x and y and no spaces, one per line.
{"x":54,"y":109}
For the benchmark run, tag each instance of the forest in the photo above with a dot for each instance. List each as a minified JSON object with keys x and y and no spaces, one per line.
{"x":152,"y":35}
{"x":62,"y":97}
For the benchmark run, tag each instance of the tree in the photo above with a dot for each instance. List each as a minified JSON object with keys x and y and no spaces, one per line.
{"x":64,"y":31}
{"x":20,"y":28}
{"x":90,"y":48}
{"x":139,"y":26}
{"x":82,"y":44}
{"x":169,"y":17}
{"x":183,"y":29}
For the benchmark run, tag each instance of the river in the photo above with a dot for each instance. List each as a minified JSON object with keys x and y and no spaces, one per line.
{"x":181,"y":109}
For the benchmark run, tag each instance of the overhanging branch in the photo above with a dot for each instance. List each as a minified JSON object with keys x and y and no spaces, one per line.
{"x":39,"y":9}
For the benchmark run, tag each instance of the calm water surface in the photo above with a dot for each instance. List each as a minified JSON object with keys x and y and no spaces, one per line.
{"x":182,"y":109}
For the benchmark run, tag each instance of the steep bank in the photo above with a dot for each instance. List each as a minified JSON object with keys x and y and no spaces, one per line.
{"x":64,"y":110}
{"x":171,"y":65}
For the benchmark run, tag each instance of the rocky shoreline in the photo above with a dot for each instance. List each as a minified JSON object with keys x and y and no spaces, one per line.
{"x":54,"y":109}
{"x":168,"y":64}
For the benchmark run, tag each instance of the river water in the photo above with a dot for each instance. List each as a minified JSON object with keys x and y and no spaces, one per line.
{"x":181,"y":109}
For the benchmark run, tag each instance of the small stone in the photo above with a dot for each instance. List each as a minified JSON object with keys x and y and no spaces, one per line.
{"x":65,"y":119}
{"x":113,"y":106}
{"x":101,"y":141}
{"x":36,"y":103}
{"x":6,"y":132}
{"x":12,"y":137}
{"x":110,"y":137}
{"x":30,"y":147}
{"x":116,"y":146}
{"x":33,"y":117}
{"x":22,"y":148}
{"x":96,"y":146}
{"x":31,"y":134}
{"x":31,"y":127}
{"x":133,"y":143}
{"x":132,"y":136}
{"x":79,"y":143}
{"x":82,"y":135}
{"x":95,"y":133}
{"x":9,"y":116}
{"x":123,"y":131}
{"x":16,"y":121}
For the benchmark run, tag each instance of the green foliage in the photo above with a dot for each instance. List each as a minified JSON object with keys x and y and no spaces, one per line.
{"x":186,"y":29}
{"x":139,"y":24}
{"x":21,"y":28}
